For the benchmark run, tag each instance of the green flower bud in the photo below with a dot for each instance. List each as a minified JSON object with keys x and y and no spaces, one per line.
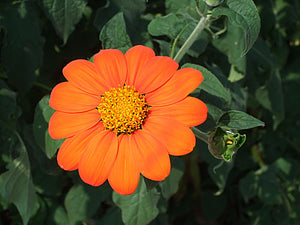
{"x":223,"y":143}
{"x":213,"y":3}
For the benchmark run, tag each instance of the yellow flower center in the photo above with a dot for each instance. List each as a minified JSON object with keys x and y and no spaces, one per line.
{"x":123,"y":109}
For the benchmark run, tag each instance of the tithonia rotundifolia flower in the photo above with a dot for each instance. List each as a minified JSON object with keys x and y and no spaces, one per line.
{"x":123,"y":115}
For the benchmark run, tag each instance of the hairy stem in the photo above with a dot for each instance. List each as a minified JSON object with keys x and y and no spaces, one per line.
{"x":192,"y":38}
{"x":201,"y":135}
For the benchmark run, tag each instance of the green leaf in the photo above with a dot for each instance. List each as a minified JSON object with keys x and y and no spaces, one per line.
{"x":261,"y":55}
{"x":283,"y":166}
{"x":16,"y":183}
{"x":169,"y":25}
{"x":132,"y":11}
{"x":232,"y":44}
{"x":235,"y":75}
{"x":262,"y":183}
{"x":22,"y":52}
{"x":9,"y":110}
{"x":248,"y":186}
{"x":214,"y":111}
{"x":42,"y":115}
{"x":170,"y":185}
{"x":271,"y":97}
{"x":187,"y":6}
{"x":64,"y":15}
{"x":60,"y":217}
{"x":114,"y":35}
{"x":83,"y":201}
{"x":210,"y":84}
{"x":178,"y":27}
{"x":104,"y":14}
{"x":239,"y":120}
{"x":242,"y":13}
{"x":140,"y":207}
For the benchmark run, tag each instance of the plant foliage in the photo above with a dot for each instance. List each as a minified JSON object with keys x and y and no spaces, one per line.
{"x":248,"y":53}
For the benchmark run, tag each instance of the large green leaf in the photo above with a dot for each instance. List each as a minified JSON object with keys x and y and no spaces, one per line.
{"x":83,"y":201}
{"x":270,"y":96}
{"x":187,"y":6}
{"x":210,"y":84}
{"x":113,"y":34}
{"x":239,"y":120}
{"x":22,"y":50}
{"x":232,"y":44}
{"x":140,"y":207}
{"x":132,"y":11}
{"x":42,"y":115}
{"x":242,"y":13}
{"x":64,"y":15}
{"x":169,"y":25}
{"x":16,"y":183}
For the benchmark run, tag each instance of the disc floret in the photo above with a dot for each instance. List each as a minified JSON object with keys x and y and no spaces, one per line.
{"x":123,"y":109}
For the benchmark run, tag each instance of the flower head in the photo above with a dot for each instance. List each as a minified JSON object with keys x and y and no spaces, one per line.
{"x":123,"y":115}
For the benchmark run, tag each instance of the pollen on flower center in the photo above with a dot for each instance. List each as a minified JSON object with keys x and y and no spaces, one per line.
{"x":123,"y":109}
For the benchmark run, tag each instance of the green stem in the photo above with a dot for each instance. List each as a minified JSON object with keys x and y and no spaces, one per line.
{"x":37,"y":84}
{"x":201,"y":135}
{"x":257,"y":156}
{"x":176,"y":39}
{"x":43,"y":86}
{"x":192,"y":38}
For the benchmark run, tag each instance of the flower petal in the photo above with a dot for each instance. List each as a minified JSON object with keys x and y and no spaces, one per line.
{"x":83,"y":74}
{"x":182,"y":83}
{"x":190,"y":111}
{"x":63,"y":125}
{"x":151,"y":156}
{"x":136,"y":57}
{"x":177,"y":137}
{"x":98,"y":158}
{"x":111,"y":64}
{"x":71,"y":150}
{"x":124,"y":175}
{"x":67,"y":98}
{"x":155,"y":73}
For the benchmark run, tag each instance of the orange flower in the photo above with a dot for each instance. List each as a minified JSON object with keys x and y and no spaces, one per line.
{"x":123,"y":115}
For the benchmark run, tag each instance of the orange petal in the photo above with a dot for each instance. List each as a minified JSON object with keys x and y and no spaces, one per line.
{"x":190,"y":111}
{"x":177,"y":137}
{"x":182,"y":83}
{"x":63,"y":125}
{"x":155,"y":73}
{"x":71,"y":150}
{"x":98,"y":158}
{"x":83,"y":74}
{"x":124,"y":175}
{"x":136,"y":57}
{"x":151,"y":156}
{"x":67,"y":98}
{"x":111,"y":64}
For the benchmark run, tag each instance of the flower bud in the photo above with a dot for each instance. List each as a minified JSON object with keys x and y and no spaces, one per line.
{"x":223,"y":143}
{"x":213,"y":3}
